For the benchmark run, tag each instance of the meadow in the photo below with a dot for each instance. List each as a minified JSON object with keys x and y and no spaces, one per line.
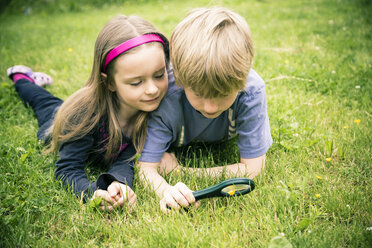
{"x":315,"y":57}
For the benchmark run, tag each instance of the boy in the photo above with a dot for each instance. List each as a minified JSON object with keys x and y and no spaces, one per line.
{"x":217,"y":97}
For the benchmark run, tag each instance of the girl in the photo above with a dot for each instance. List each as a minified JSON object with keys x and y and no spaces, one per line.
{"x":103,"y":123}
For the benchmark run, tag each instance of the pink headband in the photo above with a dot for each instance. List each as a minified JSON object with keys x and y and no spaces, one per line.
{"x":129,"y":44}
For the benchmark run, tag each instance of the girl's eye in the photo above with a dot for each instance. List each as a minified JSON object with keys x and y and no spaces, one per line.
{"x":136,"y":83}
{"x":160,"y":76}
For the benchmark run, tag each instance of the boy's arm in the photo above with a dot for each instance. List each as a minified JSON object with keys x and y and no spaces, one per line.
{"x":175,"y":196}
{"x":248,"y":167}
{"x":150,"y":176}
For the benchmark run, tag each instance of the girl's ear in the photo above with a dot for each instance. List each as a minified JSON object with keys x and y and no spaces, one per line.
{"x":104,"y":80}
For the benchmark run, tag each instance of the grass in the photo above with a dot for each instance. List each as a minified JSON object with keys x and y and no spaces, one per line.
{"x":315,"y":57}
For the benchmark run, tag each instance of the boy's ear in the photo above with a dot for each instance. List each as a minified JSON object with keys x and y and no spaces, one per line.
{"x":104,"y":80}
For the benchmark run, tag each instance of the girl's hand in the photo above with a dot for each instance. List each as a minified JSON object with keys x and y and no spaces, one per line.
{"x":115,"y":196}
{"x":107,"y":201}
{"x":121,"y":193}
{"x":177,"y":196}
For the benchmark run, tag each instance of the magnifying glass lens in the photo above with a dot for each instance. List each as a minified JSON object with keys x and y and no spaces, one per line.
{"x":235,"y":189}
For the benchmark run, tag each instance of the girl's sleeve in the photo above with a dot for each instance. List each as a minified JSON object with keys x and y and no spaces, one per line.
{"x":121,"y":170}
{"x":70,"y":166}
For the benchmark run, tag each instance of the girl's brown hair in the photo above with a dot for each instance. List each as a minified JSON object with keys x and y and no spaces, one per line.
{"x":84,"y":109}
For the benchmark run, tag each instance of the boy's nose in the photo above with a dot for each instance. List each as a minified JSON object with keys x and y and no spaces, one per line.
{"x":210,"y":107}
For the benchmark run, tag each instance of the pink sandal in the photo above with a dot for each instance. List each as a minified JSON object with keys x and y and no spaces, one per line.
{"x":39,"y":78}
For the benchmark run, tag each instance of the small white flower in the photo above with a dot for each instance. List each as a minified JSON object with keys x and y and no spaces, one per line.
{"x":20,"y":149}
{"x":309,"y":231}
{"x":369,"y":228}
{"x":282,"y":234}
{"x":295,"y":134}
{"x":357,"y":86}
{"x":348,"y":206}
{"x":333,"y":72}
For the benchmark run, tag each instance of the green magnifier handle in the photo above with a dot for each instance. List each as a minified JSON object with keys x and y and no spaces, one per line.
{"x":227,"y":188}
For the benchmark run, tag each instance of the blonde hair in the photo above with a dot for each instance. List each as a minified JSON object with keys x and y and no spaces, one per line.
{"x":93,"y":103}
{"x":211,"y":51}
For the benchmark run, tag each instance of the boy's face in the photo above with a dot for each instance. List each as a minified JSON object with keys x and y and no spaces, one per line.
{"x":210,"y":107}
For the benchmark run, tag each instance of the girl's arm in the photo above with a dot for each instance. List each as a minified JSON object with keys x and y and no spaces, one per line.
{"x":115,"y":186}
{"x":70,"y":166}
{"x":120,"y":170}
{"x":73,"y":158}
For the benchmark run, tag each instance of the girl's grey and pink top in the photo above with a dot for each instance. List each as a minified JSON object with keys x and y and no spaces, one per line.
{"x":177,"y":123}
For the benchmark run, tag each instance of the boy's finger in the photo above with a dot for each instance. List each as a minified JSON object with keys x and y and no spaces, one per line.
{"x":171,"y":201}
{"x":186,"y":192}
{"x":179,"y":198}
{"x":163,"y":206}
{"x":197,"y":204}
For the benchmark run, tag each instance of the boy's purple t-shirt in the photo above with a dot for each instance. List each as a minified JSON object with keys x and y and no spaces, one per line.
{"x":177,"y":123}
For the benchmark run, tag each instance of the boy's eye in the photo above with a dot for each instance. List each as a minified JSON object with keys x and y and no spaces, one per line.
{"x":136,"y":83}
{"x":160,"y":76}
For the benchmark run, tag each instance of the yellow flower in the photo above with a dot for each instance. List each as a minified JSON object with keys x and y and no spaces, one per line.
{"x":232,"y":192}
{"x":70,"y":50}
{"x":346,"y":126}
{"x":319,"y":177}
{"x":328,"y":159}
{"x":357,"y":121}
{"x":317,"y":195}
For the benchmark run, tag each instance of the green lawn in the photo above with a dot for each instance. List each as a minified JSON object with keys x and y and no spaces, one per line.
{"x":315,"y":57}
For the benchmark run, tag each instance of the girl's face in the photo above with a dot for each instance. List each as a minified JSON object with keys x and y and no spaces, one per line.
{"x":141,"y":78}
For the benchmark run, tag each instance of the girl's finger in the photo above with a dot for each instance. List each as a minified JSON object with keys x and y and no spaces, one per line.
{"x":107,"y":208}
{"x":133,"y":200}
{"x":114,"y":189}
{"x":105,"y":196}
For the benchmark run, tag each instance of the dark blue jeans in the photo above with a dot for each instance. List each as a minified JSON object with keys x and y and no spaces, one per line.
{"x":44,"y":104}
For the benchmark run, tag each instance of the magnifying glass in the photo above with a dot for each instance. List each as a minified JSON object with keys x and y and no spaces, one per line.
{"x":227,"y":188}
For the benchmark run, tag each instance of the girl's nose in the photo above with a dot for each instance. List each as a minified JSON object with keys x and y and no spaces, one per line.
{"x":151,"y":88}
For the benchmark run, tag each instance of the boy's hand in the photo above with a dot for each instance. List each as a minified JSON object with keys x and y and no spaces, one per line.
{"x":115,"y":196}
{"x":177,"y":196}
